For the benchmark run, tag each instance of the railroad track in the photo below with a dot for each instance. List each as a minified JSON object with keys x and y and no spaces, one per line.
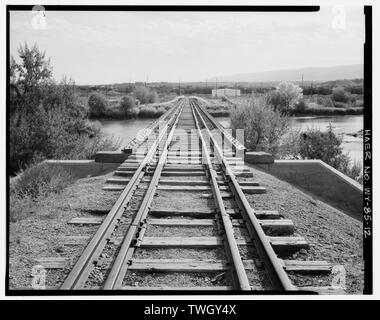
{"x":182,"y":221}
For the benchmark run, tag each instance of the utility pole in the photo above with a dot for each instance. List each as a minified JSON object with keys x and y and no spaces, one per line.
{"x":216,"y":87}
{"x":302,"y":82}
{"x":179,"y":86}
{"x":235,"y":91}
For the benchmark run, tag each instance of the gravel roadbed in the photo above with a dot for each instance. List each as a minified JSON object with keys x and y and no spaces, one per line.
{"x":39,"y":234}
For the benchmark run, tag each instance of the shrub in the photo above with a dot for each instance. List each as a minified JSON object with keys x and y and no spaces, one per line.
{"x":323,"y":145}
{"x":314,"y":105}
{"x":340,"y":95}
{"x":97,"y":103}
{"x":359,"y":104}
{"x":145,"y":95}
{"x":29,"y":138}
{"x":290,"y":145}
{"x":263,"y":126}
{"x":338,"y":104}
{"x":152,"y":97}
{"x":355,"y":172}
{"x":300,"y":107}
{"x":128,"y":105}
{"x":83,"y":147}
{"x":160,"y":111}
{"x":325,"y":101}
{"x":285,"y":97}
{"x":147,"y":112}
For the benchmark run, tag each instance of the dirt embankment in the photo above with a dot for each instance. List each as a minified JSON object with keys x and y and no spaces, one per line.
{"x":38,"y":234}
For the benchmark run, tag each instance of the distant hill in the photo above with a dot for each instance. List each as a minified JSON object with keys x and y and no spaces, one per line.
{"x":309,"y":74}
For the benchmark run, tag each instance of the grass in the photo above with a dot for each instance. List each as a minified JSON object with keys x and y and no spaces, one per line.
{"x":34,"y":183}
{"x":314,"y":110}
{"x":86,"y":148}
{"x":40,"y":180}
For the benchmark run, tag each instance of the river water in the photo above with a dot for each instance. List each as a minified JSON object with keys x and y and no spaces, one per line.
{"x":126,"y":130}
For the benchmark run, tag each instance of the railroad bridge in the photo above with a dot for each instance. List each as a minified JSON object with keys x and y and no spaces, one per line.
{"x":204,"y":224}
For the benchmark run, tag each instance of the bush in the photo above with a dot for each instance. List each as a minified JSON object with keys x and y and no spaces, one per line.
{"x":300,"y":107}
{"x":325,"y":101}
{"x":285,"y":97}
{"x":128,"y":105}
{"x":340,"y":95}
{"x":263,"y":126}
{"x":326,"y":146}
{"x":160,"y":111}
{"x":355,"y":172}
{"x":290,"y":145}
{"x":323,"y":145}
{"x":147,"y":112}
{"x":145,"y":95}
{"x":152,"y":97}
{"x":359,"y":104}
{"x":97,"y":103}
{"x":340,"y":104}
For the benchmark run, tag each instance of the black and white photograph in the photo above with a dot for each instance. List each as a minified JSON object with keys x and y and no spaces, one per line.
{"x":188,"y":150}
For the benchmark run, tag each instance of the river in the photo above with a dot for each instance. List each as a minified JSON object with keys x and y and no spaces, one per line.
{"x":125,"y":130}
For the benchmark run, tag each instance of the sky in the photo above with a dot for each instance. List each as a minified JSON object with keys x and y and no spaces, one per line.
{"x":114,"y":47}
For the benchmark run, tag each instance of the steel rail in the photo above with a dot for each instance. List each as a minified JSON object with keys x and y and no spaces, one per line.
{"x":276,"y":272}
{"x":152,"y":126}
{"x":82,"y":268}
{"x":232,"y":246}
{"x":119,"y":268}
{"x":234,"y":142}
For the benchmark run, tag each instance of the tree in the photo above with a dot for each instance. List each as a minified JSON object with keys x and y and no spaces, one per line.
{"x":340,"y":95}
{"x":128,"y":105}
{"x":97,"y":103}
{"x":28,"y":77}
{"x":285,"y":97}
{"x":47,"y":120}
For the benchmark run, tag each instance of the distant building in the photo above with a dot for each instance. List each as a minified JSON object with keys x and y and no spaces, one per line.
{"x":226,"y":92}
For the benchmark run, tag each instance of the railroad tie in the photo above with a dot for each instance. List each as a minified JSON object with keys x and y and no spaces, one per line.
{"x":184,"y":265}
{"x":281,"y":245}
{"x":52,"y":262}
{"x":307,"y":267}
{"x":86,"y":221}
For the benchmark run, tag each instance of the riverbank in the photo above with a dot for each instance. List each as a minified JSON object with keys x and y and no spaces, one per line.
{"x":309,"y":112}
{"x":144,"y":111}
{"x":329,"y":112}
